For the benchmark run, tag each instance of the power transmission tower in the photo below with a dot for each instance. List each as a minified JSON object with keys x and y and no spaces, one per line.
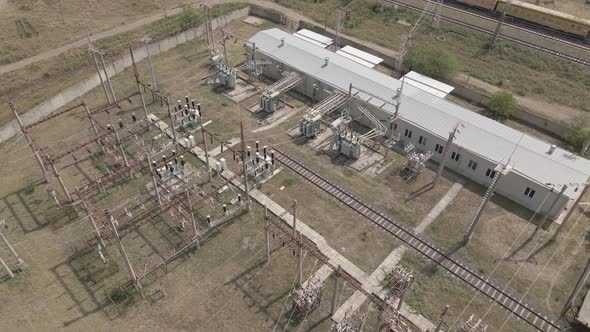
{"x":569,"y":304}
{"x":500,"y":23}
{"x":500,"y":171}
{"x":340,"y":17}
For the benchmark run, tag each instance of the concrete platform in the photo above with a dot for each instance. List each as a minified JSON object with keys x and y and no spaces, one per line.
{"x":241,"y":92}
{"x":255,"y":21}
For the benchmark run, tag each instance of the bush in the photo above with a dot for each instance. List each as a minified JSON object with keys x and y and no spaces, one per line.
{"x":578,"y":135}
{"x":502,"y":104}
{"x":432,"y":62}
{"x":119,"y":295}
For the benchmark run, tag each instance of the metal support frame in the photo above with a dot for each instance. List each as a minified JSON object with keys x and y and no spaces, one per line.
{"x":30,"y":141}
{"x":136,"y":73}
{"x":205,"y":148}
{"x":569,"y":214}
{"x":335,"y":291}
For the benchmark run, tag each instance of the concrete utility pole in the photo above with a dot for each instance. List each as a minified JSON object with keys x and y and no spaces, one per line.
{"x":92,"y":123}
{"x":8,"y":270}
{"x":155,"y":184}
{"x":500,"y":23}
{"x":205,"y":147}
{"x":208,"y":26}
{"x":120,"y":145}
{"x":569,"y":214}
{"x":335,"y":292}
{"x":381,"y":312}
{"x":96,"y":230}
{"x":30,"y":141}
{"x":300,"y":267}
{"x":190,"y":206}
{"x":445,"y":155}
{"x":61,"y":12}
{"x":19,"y":261}
{"x":224,"y":39}
{"x":267,"y":234}
{"x":61,"y":183}
{"x":146,"y":39}
{"x":106,"y":74}
{"x":572,"y":299}
{"x":295,"y":217}
{"x":136,"y":73}
{"x":436,"y":15}
{"x":122,"y":250}
{"x":172,"y":125}
{"x":244,"y":164}
{"x":542,"y":222}
{"x":441,"y":321}
{"x":500,"y":171}
{"x":104,"y":87}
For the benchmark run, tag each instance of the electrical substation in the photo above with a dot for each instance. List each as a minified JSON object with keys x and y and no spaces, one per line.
{"x":284,"y":177}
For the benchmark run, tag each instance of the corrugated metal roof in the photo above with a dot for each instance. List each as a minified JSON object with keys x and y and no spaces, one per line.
{"x":428,"y":84}
{"x":314,"y":38}
{"x":483,"y":136}
{"x":362,"y":57}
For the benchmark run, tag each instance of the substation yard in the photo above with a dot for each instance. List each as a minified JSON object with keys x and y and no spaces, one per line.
{"x":226,"y":283}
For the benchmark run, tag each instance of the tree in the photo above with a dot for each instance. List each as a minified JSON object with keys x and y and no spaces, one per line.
{"x":578,"y":135}
{"x":433,"y":62}
{"x":502,"y":104}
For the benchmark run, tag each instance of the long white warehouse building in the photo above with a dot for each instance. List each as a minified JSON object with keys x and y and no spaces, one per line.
{"x":539,"y":170}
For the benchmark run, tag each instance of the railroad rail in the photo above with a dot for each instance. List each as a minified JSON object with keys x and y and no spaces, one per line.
{"x":393,"y":227}
{"x":503,"y":36}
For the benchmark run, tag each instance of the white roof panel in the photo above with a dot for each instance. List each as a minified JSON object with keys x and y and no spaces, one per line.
{"x":428,"y":84}
{"x":355,"y":52}
{"x":314,"y":38}
{"x":483,"y":136}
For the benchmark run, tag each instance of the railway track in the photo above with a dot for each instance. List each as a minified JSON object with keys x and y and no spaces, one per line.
{"x":474,"y":279}
{"x":503,"y":36}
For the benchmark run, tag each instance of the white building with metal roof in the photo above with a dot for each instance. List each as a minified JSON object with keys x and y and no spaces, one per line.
{"x":539,"y":170}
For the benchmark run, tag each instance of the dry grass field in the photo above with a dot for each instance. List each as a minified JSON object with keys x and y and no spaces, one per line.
{"x":225,"y":285}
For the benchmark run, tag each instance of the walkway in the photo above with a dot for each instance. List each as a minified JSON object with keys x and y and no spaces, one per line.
{"x":334,"y":257}
{"x":377,"y":277}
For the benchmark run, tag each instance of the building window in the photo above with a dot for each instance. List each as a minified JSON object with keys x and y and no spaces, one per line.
{"x":438,"y":148}
{"x":393,"y":126}
{"x":422,"y":140}
{"x":408,"y":133}
{"x":490,"y":173}
{"x":472,"y":164}
{"x":455,"y":156}
{"x":529,"y":192}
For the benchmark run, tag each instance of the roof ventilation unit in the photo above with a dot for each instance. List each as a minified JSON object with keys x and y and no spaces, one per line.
{"x":282,"y":42}
{"x":552,"y":148}
{"x":326,"y":61}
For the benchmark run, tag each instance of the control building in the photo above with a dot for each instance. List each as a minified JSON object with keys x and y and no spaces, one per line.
{"x":539,"y":169}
